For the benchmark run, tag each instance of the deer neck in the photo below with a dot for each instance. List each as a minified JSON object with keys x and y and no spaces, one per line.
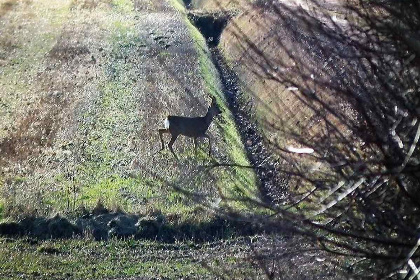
{"x":208,"y":118}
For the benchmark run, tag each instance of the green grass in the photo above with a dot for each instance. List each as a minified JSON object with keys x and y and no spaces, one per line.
{"x":97,"y":178}
{"x":79,"y":259}
{"x":99,"y":181}
{"x":82,"y":259}
{"x":179,"y":5}
{"x":95,"y":165}
{"x":124,"y":6}
{"x":101,"y":174}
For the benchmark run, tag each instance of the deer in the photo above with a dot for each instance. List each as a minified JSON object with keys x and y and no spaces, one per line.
{"x":190,"y":127}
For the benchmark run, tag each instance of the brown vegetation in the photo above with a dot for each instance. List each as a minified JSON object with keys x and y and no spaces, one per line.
{"x":34,"y":133}
{"x":6,"y":7}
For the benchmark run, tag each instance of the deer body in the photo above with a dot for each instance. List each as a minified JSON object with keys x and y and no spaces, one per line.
{"x":191,"y":127}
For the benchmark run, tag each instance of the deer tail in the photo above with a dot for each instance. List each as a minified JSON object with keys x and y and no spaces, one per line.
{"x":166,"y":123}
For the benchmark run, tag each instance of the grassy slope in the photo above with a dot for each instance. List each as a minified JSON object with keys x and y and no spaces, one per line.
{"x":136,"y":187}
{"x":116,"y":94}
{"x":21,"y":55}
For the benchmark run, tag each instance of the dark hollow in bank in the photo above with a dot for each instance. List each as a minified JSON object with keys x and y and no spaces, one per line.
{"x":211,"y":25}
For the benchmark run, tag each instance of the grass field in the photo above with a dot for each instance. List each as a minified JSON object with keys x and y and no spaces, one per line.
{"x":83,"y":97}
{"x":238,"y":258}
{"x":83,"y":259}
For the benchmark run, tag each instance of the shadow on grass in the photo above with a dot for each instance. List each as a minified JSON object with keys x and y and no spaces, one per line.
{"x":108,"y":225}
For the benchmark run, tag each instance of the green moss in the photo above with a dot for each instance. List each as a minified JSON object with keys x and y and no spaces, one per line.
{"x":179,"y":5}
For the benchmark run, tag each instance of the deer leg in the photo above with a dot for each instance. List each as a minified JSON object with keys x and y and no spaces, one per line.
{"x":208,"y":137}
{"x":195,"y":145}
{"x":162,"y":131}
{"x":170,"y":145}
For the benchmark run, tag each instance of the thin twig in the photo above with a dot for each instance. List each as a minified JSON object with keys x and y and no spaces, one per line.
{"x":411,"y":150}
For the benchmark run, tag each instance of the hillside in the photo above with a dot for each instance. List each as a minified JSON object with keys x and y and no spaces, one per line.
{"x":85,"y":85}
